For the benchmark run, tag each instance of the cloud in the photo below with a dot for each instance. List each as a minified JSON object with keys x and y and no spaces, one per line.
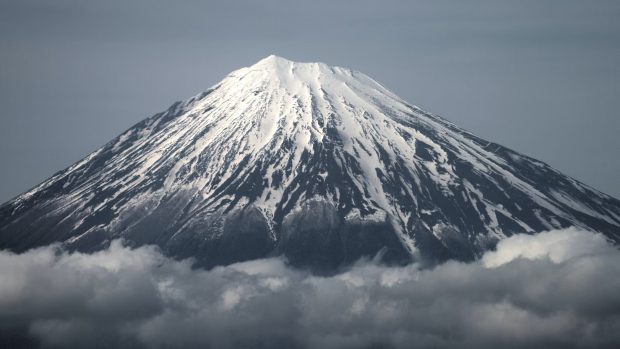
{"x":556,"y":246}
{"x":555,"y":289}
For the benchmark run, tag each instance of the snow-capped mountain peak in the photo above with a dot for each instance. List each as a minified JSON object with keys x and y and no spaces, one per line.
{"x":319,"y":163}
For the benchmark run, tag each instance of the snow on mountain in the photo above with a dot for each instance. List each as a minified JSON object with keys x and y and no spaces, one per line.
{"x":321,"y":164}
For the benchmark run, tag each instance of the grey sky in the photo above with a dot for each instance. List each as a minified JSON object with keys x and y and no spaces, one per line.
{"x":539,"y":76}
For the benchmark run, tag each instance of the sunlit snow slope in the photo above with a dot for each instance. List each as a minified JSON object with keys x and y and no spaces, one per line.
{"x":319,"y":163}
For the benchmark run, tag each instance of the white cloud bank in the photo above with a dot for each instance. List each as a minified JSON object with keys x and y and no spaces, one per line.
{"x":555,"y":289}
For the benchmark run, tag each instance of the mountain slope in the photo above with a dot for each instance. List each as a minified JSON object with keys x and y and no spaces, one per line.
{"x":319,"y":163}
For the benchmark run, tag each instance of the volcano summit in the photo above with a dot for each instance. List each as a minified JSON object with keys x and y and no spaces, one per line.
{"x":320,"y":164}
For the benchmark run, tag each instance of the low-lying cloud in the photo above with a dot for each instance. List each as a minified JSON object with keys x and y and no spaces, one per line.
{"x":555,"y":289}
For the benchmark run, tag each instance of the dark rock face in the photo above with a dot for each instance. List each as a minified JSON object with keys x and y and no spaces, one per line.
{"x":247,"y":235}
{"x":372,"y":239}
{"x":319,"y":164}
{"x":316,"y":237}
{"x":311,"y":236}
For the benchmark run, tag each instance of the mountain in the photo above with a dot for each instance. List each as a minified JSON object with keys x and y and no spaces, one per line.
{"x":320,"y":164}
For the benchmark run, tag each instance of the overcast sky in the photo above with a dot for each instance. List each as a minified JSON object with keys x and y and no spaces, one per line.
{"x":539,"y":76}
